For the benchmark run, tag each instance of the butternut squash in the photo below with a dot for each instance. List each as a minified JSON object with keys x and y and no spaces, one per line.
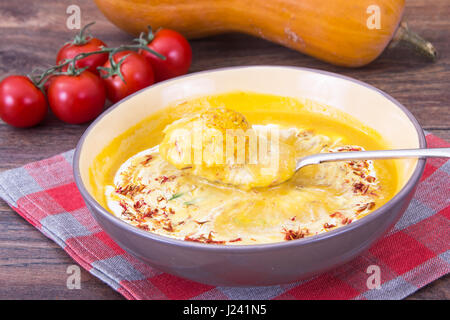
{"x":349,"y":33}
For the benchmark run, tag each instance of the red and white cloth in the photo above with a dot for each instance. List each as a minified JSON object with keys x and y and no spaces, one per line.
{"x":413,"y":254}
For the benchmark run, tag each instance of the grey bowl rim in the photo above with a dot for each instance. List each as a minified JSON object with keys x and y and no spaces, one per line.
{"x":407,"y":188}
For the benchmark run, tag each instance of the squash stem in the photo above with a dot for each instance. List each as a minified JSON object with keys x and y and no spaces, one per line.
{"x":405,"y":36}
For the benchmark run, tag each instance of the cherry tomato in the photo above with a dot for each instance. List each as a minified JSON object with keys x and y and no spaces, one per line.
{"x":175,"y":48}
{"x":22,"y":104}
{"x":47,"y":83}
{"x":136,"y":71}
{"x":70,"y":50}
{"x":76,"y":99}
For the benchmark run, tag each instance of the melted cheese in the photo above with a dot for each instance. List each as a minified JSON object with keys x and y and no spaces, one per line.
{"x":219,"y":145}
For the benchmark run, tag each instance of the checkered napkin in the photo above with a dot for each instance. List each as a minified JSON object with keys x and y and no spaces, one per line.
{"x":410,"y":256}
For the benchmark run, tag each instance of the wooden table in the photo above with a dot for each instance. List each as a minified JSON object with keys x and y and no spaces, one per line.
{"x":32,"y":266}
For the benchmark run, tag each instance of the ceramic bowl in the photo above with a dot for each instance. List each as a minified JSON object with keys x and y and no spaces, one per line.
{"x":262,"y":264}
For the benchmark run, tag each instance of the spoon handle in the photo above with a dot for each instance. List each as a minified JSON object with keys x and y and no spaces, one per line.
{"x":370,"y":155}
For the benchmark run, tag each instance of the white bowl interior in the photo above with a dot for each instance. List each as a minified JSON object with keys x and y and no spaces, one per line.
{"x":367,"y":105}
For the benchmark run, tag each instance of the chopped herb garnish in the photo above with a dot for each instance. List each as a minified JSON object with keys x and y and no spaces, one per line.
{"x":176,"y":195}
{"x":189,"y":203}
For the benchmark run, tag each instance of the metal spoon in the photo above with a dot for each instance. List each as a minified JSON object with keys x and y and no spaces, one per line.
{"x":370,"y":155}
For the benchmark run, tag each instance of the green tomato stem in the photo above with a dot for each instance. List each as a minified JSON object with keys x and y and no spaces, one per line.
{"x":40,"y":80}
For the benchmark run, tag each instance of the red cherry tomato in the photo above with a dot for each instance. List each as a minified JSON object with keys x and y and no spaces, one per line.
{"x":47,"y":83}
{"x":70,"y":50}
{"x":175,"y":48}
{"x":136,"y":71}
{"x":76,"y":99}
{"x":22,"y":104}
